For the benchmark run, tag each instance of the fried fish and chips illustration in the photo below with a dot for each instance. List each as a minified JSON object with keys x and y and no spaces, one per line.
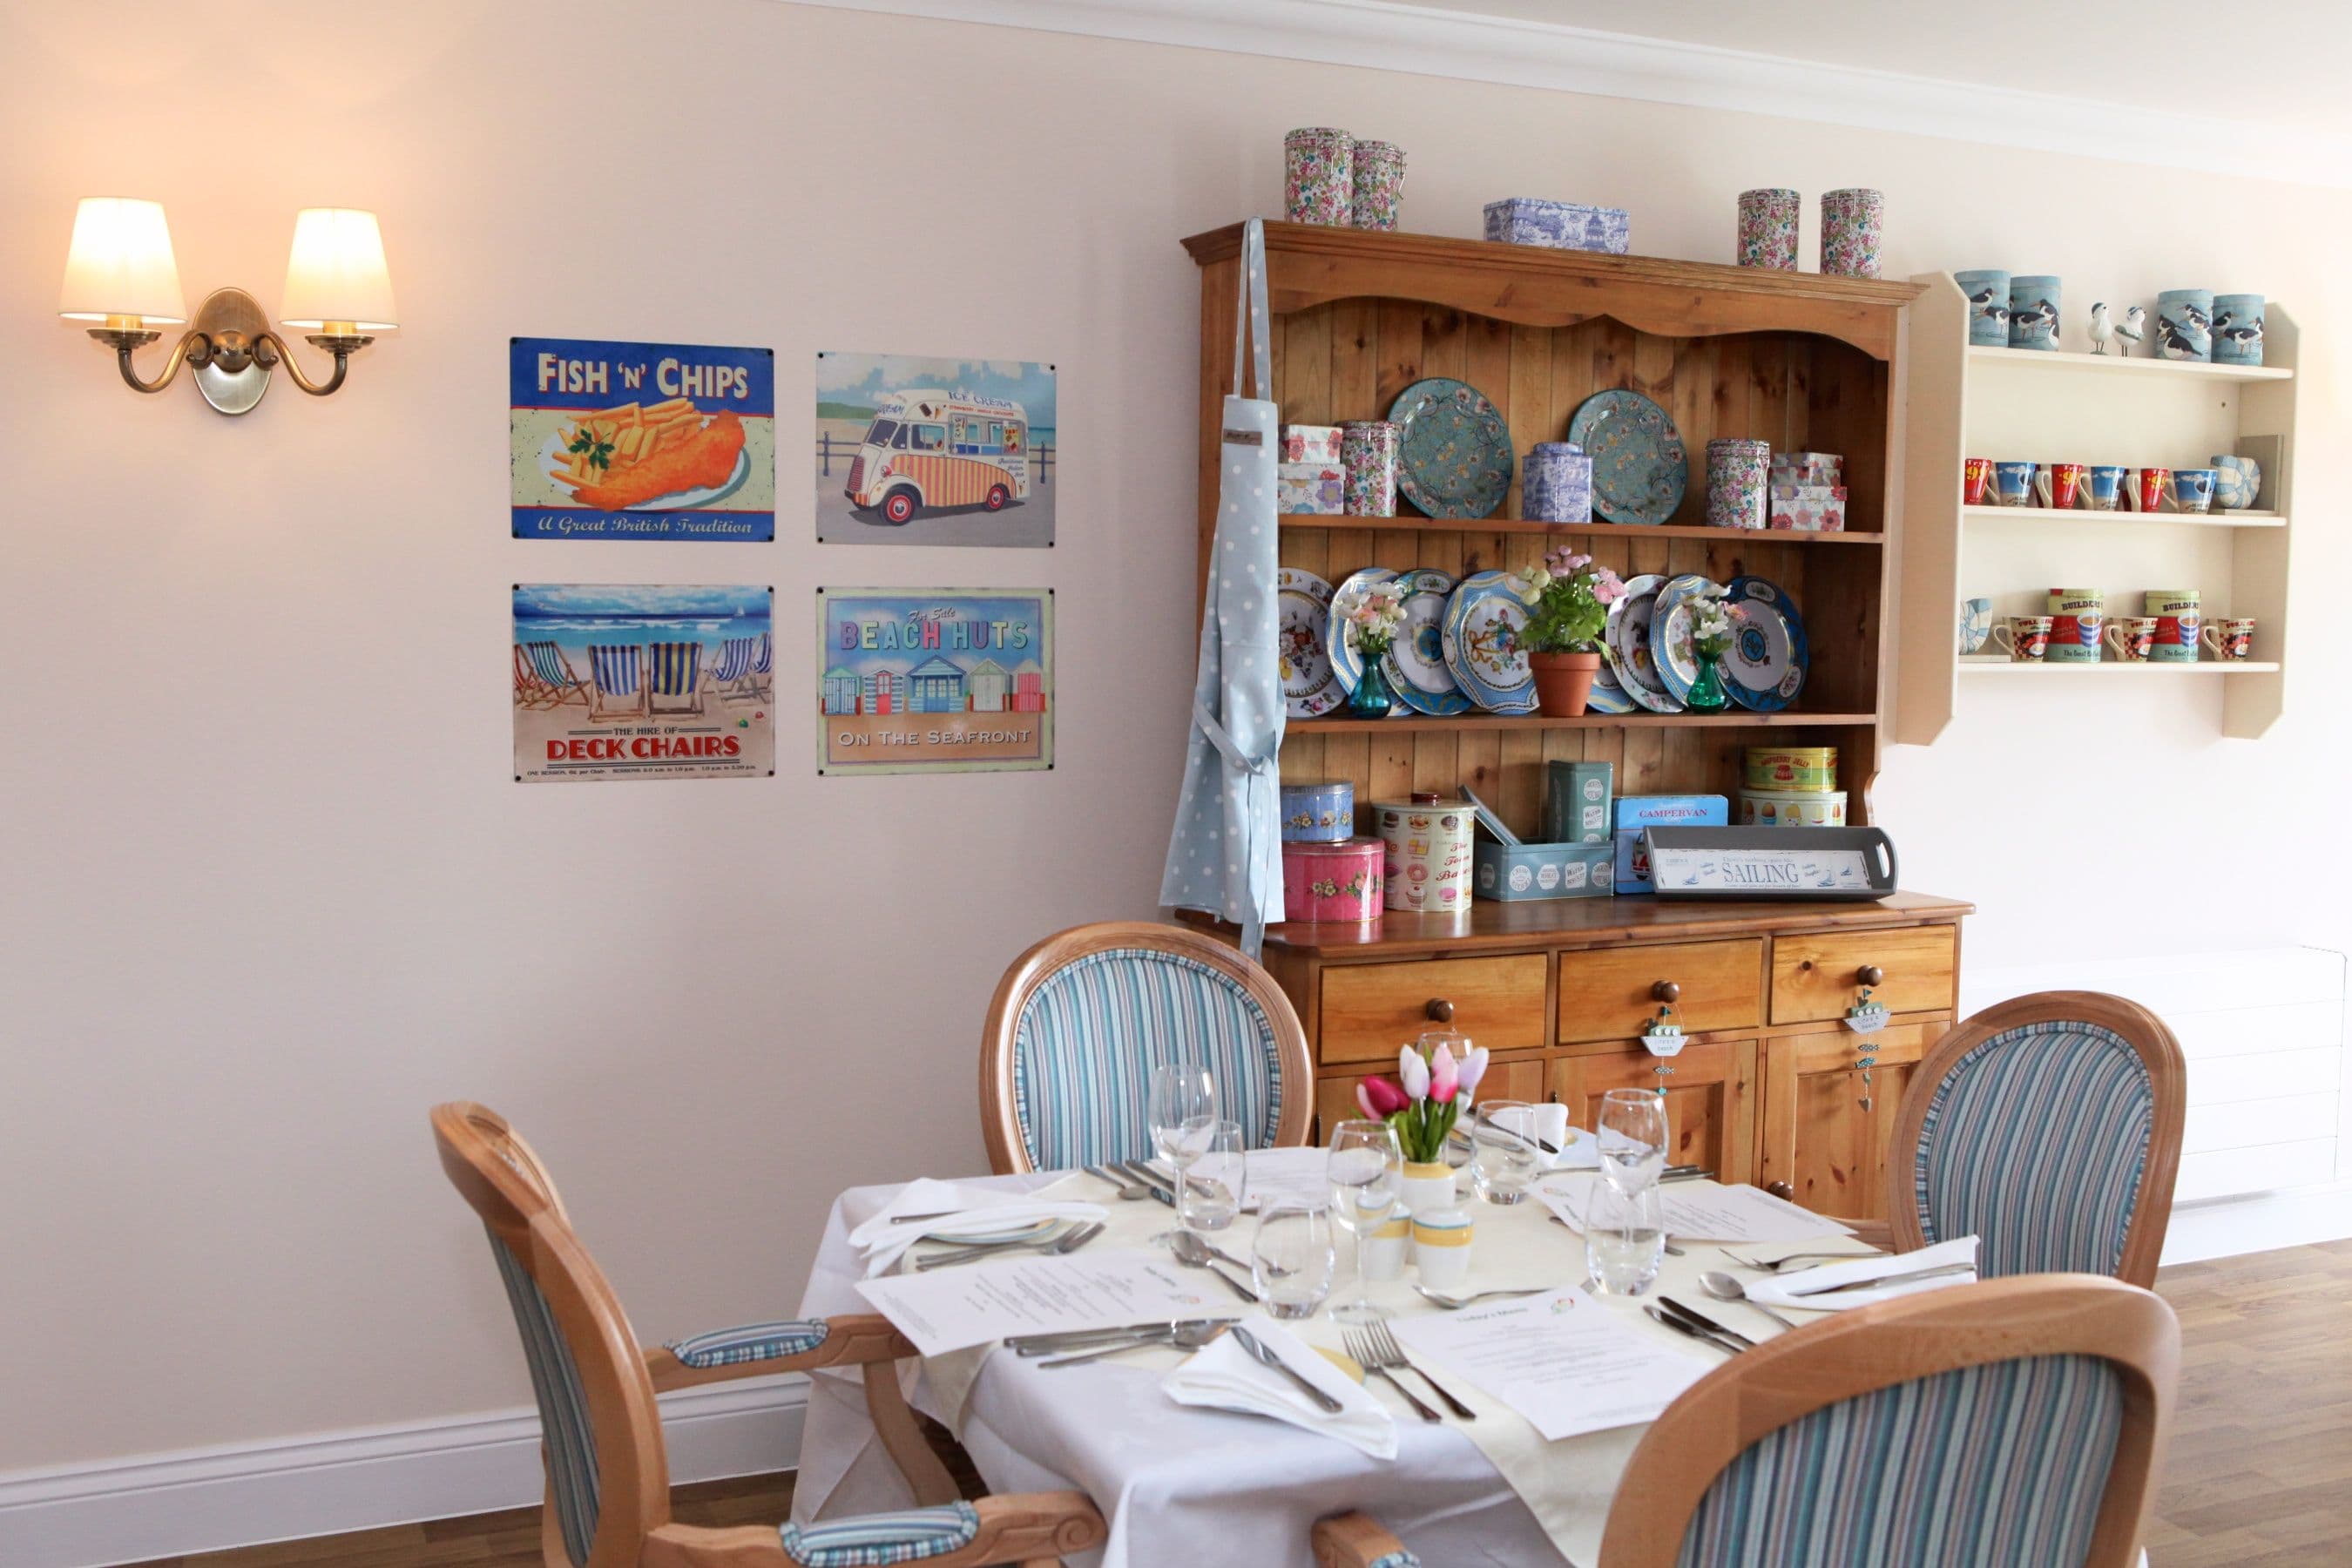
{"x":627,"y":456}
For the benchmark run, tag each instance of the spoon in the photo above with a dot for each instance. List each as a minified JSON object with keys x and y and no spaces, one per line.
{"x":1131,"y":1191}
{"x":1724,"y":1288}
{"x":1191,"y":1251}
{"x":1455,"y":1303}
{"x":1189,"y":1337}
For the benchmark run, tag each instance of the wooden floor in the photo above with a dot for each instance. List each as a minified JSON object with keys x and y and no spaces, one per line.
{"x":2259,"y":1473}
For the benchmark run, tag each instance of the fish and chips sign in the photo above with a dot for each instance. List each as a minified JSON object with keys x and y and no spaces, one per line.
{"x":614,"y":440}
{"x":934,"y":680}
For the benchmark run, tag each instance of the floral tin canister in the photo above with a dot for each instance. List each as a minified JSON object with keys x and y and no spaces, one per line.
{"x":1768,"y":229}
{"x":1852,"y":225}
{"x":1318,"y":813}
{"x":1428,"y":862}
{"x":1311,"y":444}
{"x":1340,"y":881}
{"x":1793,"y":808}
{"x":1379,"y":176}
{"x":1556,"y":485}
{"x":1319,"y":175}
{"x":1369,"y":449}
{"x":1559,"y":225}
{"x":1310,"y":490}
{"x":1736,"y":472}
{"x":1812,"y":768}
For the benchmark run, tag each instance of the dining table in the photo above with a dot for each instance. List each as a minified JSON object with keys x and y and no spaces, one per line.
{"x":1180,"y":1485}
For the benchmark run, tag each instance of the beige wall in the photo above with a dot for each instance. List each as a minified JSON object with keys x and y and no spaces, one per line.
{"x":270,"y":890}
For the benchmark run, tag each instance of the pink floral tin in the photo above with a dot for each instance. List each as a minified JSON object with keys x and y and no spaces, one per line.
{"x":1379,"y":176}
{"x":1319,"y":175}
{"x":1768,"y":229}
{"x":1310,"y":443}
{"x":1341,"y":881}
{"x":1854,"y":225}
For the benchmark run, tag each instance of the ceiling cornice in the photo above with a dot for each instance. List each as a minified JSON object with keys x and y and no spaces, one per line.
{"x":1383,"y":35}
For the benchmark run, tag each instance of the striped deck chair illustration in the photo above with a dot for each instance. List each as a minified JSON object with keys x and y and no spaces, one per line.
{"x":618,"y":692}
{"x":674,"y":679}
{"x":741,"y":673}
{"x":543,"y":678}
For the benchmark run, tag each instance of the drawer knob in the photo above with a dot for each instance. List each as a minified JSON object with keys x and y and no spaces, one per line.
{"x":1439,"y":1010}
{"x":1665,"y":991}
{"x":1781,"y":1190}
{"x":1870,"y":974}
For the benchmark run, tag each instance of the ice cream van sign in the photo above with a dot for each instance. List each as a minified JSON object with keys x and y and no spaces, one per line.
{"x":938,"y":681}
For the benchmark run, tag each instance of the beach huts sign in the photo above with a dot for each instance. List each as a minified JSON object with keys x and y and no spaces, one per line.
{"x":916,"y":449}
{"x":934,"y":680}
{"x":641,"y":440}
{"x":618,"y":683}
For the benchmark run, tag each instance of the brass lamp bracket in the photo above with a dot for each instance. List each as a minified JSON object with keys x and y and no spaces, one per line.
{"x":231,"y":352}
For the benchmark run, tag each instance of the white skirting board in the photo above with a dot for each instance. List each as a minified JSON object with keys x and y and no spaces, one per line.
{"x":163,"y":1505}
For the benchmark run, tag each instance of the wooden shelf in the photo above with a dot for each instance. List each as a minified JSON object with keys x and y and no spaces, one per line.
{"x":1734,"y":718}
{"x":2063,"y":360}
{"x":1979,"y":664}
{"x":2054,"y":517}
{"x":1627,"y":531}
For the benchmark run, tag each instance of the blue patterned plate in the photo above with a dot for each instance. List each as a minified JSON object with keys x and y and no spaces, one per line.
{"x":1455,"y":459}
{"x":1480,"y":641}
{"x":1625,"y":646}
{"x":1766,"y":666}
{"x":1415,"y":661}
{"x":1639,"y":467}
{"x":1346,"y":659}
{"x":1608,"y":695}
{"x":1670,"y":633}
{"x":1302,"y":629}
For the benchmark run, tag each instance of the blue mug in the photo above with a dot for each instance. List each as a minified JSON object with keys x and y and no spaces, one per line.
{"x":2236,"y":481}
{"x":2107,"y":481}
{"x":2184,"y":324}
{"x":1987,"y":292}
{"x":2192,"y":489}
{"x":1976,"y":624}
{"x":2033,"y":312}
{"x":2013,"y":484}
{"x":2237,"y":329}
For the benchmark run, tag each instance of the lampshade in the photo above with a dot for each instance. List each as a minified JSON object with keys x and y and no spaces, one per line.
{"x":335,"y":273}
{"x":120,"y":263}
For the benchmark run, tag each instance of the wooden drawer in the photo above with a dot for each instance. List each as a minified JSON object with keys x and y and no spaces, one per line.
{"x":1334,"y":1098}
{"x":1605,"y":992}
{"x":1815,"y":978}
{"x":1370,"y":1009}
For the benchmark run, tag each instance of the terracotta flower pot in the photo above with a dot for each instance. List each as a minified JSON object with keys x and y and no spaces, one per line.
{"x":1563,"y":682}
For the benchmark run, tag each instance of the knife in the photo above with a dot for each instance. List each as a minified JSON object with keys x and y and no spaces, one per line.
{"x":1667,"y":1319}
{"x":1152,"y":1181}
{"x":1075,"y":1338}
{"x":1699,"y":1319}
{"x":1883,"y":1280}
{"x":1260,"y":1353}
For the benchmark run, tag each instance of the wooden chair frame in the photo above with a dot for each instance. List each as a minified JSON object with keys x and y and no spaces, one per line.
{"x":998,"y":1116}
{"x":1857,"y":1352}
{"x":2168,"y":1074}
{"x":505,"y":1182}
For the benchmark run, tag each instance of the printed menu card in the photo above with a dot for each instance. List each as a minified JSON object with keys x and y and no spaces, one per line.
{"x":975,"y":1304}
{"x":1704,"y":1211}
{"x":1563,"y":1360}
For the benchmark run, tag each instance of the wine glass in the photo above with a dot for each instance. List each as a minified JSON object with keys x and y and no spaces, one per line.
{"x":1182,"y":1108}
{"x":1364,"y":1167}
{"x":1211,"y":1199}
{"x":1292,"y":1258}
{"x":1631,"y":1135}
{"x":1624,"y":1239}
{"x":1504,"y":1159}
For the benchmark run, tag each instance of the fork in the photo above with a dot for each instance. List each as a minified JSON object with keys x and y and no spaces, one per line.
{"x":1385,"y":1341}
{"x":1360,"y":1345}
{"x":1067,"y":1242}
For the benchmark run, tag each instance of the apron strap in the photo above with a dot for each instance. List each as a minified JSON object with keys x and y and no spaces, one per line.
{"x":1249,"y":314}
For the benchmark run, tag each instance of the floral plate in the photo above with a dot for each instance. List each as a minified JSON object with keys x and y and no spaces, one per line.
{"x":1339,"y":638}
{"x":1609,"y":695}
{"x":1415,"y":661}
{"x":1639,"y":467}
{"x":1311,"y":688}
{"x":1766,"y":665}
{"x":1625,"y":647}
{"x":1455,"y":459}
{"x":1670,"y":632}
{"x":1480,"y":641}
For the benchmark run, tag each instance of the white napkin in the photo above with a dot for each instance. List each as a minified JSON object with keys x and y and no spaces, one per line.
{"x":1224,"y":1376}
{"x":1550,"y":1126}
{"x":1776,"y":1291}
{"x":964,"y":1210}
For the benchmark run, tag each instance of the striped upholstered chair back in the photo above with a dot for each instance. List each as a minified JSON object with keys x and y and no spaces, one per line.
{"x":607,"y":1475}
{"x":1080,"y":1020}
{"x":2049,"y":1127}
{"x":2016,"y":1421}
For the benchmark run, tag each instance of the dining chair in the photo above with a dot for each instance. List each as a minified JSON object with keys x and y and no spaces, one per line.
{"x":608,"y":1503}
{"x":2014,"y":1421}
{"x":2049,"y":1128}
{"x":1080,"y":1020}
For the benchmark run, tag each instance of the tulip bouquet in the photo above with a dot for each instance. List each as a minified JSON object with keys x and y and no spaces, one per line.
{"x":1422,"y":1105}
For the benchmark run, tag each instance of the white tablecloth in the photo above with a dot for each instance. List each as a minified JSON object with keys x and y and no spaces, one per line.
{"x":1180,"y":1487}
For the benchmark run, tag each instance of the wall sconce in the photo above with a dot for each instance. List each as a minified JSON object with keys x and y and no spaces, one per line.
{"x":120,"y":271}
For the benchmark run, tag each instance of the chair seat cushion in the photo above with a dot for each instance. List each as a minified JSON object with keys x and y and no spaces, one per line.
{"x":752,"y":1341}
{"x":877,"y":1540}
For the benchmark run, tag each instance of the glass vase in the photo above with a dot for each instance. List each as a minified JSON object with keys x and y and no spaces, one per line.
{"x":1372,"y":699}
{"x":1707,"y":693}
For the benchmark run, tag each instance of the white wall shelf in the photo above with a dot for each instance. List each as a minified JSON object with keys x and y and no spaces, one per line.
{"x":2025,"y":405}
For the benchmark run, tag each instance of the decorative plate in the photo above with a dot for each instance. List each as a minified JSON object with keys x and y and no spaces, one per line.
{"x":1608,"y":694}
{"x":1480,"y":640}
{"x":1627,"y":645}
{"x":1670,"y":633}
{"x":1766,"y":666}
{"x":1455,"y":459}
{"x":1311,"y":688}
{"x":1346,"y":659}
{"x":1639,"y":466}
{"x":1415,"y":661}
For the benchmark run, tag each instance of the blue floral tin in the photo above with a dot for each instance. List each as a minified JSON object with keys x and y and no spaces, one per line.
{"x":1556,"y":485}
{"x":1561,"y":225}
{"x":1318,"y":813}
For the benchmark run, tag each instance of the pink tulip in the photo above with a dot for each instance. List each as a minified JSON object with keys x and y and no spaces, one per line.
{"x":1444,"y":1076}
{"x":1380,"y":1099}
{"x":1473,"y":1068}
{"x":1413,"y":1072}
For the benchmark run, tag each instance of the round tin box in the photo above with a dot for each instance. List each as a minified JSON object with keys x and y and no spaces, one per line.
{"x":1792,"y":767}
{"x":1338,"y":881}
{"x":1317,"y":813}
{"x":1793,"y":808}
{"x":1428,"y":859}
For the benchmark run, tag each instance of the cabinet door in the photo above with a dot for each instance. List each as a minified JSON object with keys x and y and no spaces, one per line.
{"x":1710,"y":1099}
{"x":1334,"y":1098}
{"x":1819,"y":1137}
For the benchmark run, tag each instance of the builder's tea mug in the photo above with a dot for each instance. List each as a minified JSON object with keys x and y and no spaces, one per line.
{"x":2231,"y":637}
{"x":2130,"y":638}
{"x":2025,"y":638}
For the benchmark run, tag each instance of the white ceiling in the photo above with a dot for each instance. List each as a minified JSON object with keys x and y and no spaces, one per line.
{"x":2277,"y":62}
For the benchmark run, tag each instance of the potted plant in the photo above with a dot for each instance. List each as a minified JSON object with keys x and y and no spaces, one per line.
{"x":1421,"y":1108}
{"x":1567,"y":599}
{"x":1373,"y":614}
